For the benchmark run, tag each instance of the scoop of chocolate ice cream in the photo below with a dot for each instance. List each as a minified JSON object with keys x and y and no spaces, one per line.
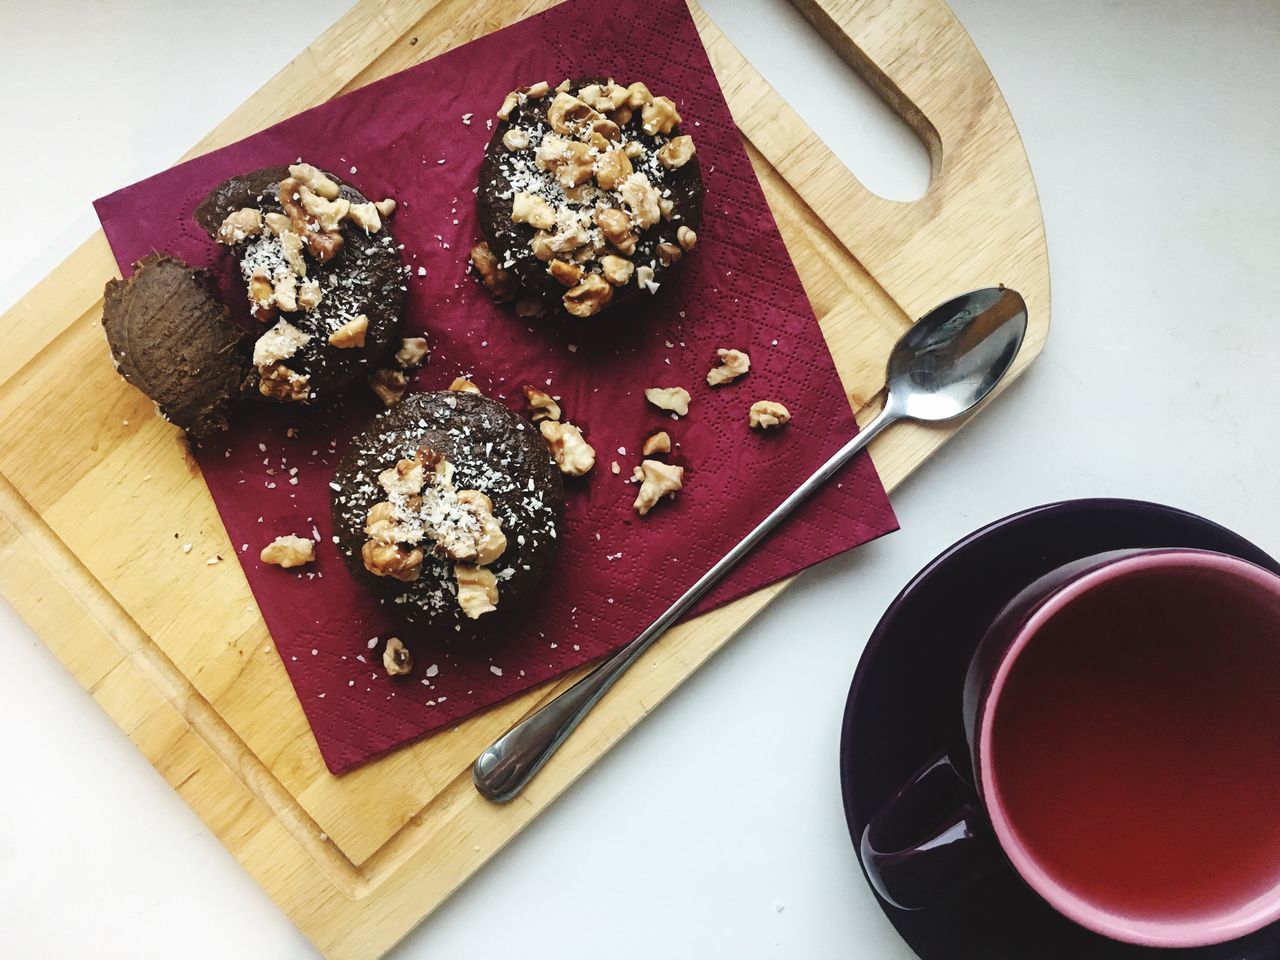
{"x":174,"y":341}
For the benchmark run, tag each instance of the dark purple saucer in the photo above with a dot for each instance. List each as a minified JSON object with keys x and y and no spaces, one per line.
{"x":904,"y":708}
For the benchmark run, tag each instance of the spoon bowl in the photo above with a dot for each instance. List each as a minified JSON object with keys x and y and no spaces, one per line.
{"x":953,"y":356}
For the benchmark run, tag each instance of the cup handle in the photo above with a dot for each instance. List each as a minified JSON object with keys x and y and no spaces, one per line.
{"x":928,"y":841}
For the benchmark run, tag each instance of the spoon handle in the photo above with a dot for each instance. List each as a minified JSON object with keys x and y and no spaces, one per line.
{"x":511,"y":761}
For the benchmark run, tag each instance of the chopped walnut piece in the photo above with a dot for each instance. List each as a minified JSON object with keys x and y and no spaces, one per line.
{"x":676,"y":152}
{"x":569,"y":237}
{"x":572,"y":453}
{"x":686,"y":238}
{"x":413,"y":350}
{"x":668,"y":253}
{"x":567,"y":114}
{"x":534,"y":210}
{"x":617,"y":270}
{"x":612,"y":168}
{"x":633,"y":148}
{"x":501,"y":284}
{"x":492,"y":542}
{"x":280,"y":383}
{"x":658,"y":480}
{"x":659,"y":116}
{"x":477,"y":590}
{"x":285,"y":293}
{"x":517,"y":138}
{"x":542,"y":406}
{"x":569,"y":160}
{"x":768,"y":413}
{"x":463,"y":385}
{"x":396,"y":658}
{"x":521,"y":94}
{"x":365,"y":216}
{"x":240,"y":225}
{"x":733,"y":364}
{"x":388,"y":384}
{"x":405,"y":479}
{"x":380,"y":524}
{"x":385,"y":207}
{"x":589,"y":297}
{"x":659,"y":442}
{"x":291,"y":246}
{"x":350,"y":334}
{"x":394,"y":560}
{"x":540,"y":244}
{"x":638,"y":96}
{"x":605,"y":129}
{"x":615,"y":226}
{"x":509,"y":103}
{"x":322,"y":243}
{"x":667,"y":207}
{"x":569,"y":274}
{"x":279,"y":343}
{"x":644,"y":279}
{"x":329,"y":214}
{"x":314,"y":180}
{"x":674,"y":399}
{"x":615,"y":468}
{"x":641,"y":200}
{"x":604,"y":97}
{"x":309,"y":294}
{"x":288,"y":551}
{"x":277,"y":223}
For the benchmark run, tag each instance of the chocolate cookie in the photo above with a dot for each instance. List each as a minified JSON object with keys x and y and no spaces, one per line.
{"x":448,"y":507}
{"x":589,"y":195}
{"x":323,"y":276}
{"x":173,"y":340}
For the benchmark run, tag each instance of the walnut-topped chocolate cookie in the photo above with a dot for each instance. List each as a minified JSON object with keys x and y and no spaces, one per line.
{"x":589,"y":195}
{"x":448,"y":507}
{"x":322,"y":272}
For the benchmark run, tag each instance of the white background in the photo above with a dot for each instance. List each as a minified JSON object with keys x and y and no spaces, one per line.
{"x":715,"y":829}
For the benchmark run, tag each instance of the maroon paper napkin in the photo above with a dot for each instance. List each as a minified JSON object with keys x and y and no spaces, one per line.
{"x":418,"y":137}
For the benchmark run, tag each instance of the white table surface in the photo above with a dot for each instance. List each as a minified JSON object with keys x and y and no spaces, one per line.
{"x":1153,"y":132}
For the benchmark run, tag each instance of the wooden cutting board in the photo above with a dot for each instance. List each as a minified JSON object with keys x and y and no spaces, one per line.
{"x":175,"y":650}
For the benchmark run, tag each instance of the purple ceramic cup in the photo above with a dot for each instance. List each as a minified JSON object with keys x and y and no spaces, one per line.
{"x":1122,"y":752}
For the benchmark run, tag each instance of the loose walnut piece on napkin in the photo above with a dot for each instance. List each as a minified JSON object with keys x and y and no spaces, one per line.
{"x":288,"y":551}
{"x":733,"y":364}
{"x":542,"y":406}
{"x":572,"y":453}
{"x":659,"y":442}
{"x":673,"y":399}
{"x":765,"y":414}
{"x":657,"y":480}
{"x":396,"y":658}
{"x":463,"y":385}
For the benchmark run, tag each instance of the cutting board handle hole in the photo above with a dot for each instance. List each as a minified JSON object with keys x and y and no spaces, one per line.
{"x":869,"y":136}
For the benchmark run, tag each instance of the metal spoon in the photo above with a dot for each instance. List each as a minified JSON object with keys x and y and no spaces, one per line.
{"x":940,"y":369}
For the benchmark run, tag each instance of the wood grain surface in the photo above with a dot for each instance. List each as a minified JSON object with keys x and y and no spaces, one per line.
{"x":174,"y":649}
